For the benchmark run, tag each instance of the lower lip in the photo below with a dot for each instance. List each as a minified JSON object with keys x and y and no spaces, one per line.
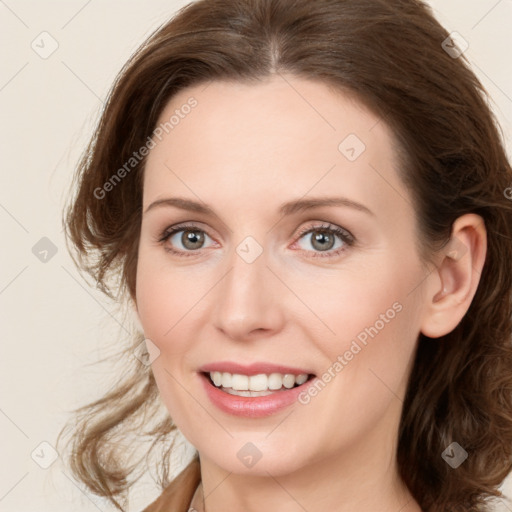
{"x":252,"y":407}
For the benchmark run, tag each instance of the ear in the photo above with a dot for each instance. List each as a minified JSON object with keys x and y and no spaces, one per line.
{"x":453,"y":284}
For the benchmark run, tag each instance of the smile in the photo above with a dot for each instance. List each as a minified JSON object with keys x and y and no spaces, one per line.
{"x":255,"y":385}
{"x":253,"y":391}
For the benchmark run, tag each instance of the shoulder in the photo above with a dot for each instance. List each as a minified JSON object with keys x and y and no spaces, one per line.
{"x":177,"y":495}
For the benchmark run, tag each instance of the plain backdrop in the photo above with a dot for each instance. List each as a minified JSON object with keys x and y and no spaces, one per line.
{"x":53,"y":326}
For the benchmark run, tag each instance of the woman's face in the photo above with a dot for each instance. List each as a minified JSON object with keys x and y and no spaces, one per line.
{"x":260,"y":284}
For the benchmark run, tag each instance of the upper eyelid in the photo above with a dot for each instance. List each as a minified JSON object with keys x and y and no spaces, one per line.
{"x":183,"y":227}
{"x":328,"y":226}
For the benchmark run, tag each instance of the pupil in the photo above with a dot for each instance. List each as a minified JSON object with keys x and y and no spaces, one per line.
{"x":323,"y":235}
{"x":192,"y":237}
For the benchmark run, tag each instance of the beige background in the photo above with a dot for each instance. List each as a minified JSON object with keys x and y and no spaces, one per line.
{"x":53,"y":326}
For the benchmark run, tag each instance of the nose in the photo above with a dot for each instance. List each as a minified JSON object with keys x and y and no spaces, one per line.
{"x":248,"y":301}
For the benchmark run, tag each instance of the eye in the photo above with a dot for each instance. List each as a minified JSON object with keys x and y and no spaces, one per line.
{"x":323,"y":240}
{"x":186,"y":238}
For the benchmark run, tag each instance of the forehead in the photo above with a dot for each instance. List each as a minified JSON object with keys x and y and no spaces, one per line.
{"x":243,"y":143}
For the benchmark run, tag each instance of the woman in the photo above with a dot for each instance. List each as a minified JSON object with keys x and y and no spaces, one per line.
{"x":305,"y":205}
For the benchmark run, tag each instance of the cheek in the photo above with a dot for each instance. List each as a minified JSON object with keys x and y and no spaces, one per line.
{"x":360,"y":302}
{"x":375,"y":318}
{"x":161,"y":301}
{"x":164,"y":298}
{"x":171,"y":301}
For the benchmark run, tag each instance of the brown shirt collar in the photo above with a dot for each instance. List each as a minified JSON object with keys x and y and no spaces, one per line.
{"x":176,"y":497}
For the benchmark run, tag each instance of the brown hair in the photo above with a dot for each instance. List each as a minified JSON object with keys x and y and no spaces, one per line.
{"x":389,"y":55}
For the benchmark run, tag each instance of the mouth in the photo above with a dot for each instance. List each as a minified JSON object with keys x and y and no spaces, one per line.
{"x":253,"y":390}
{"x":262,"y":384}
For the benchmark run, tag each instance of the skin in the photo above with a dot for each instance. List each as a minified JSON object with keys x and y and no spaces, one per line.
{"x":244,"y":150}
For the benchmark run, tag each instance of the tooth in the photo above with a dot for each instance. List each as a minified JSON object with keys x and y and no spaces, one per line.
{"x":275,"y":381}
{"x":237,"y":393}
{"x":248,"y":393}
{"x":258,"y":382}
{"x":289,"y":381}
{"x":216,"y":377}
{"x":240,"y":382}
{"x":261,"y":393}
{"x":300,"y":379}
{"x":226,"y":380}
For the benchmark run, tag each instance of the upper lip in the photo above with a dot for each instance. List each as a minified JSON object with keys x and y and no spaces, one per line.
{"x":252,"y":369}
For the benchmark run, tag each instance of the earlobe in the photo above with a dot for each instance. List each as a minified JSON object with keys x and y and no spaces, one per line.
{"x":453,"y":284}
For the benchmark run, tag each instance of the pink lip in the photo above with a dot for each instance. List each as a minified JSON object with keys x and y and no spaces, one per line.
{"x":252,"y":369}
{"x":252,"y":407}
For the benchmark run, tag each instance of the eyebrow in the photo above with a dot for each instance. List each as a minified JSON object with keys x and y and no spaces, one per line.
{"x":289,"y":208}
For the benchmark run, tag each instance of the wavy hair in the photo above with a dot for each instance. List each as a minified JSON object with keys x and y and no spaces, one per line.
{"x":390,"y":56}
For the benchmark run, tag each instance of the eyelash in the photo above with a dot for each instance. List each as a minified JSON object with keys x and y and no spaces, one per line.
{"x":347,"y":238}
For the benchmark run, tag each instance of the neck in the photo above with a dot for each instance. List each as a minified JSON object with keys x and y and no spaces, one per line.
{"x":324,"y":485}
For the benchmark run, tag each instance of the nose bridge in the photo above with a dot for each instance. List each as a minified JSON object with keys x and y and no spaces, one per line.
{"x":245,"y":302}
